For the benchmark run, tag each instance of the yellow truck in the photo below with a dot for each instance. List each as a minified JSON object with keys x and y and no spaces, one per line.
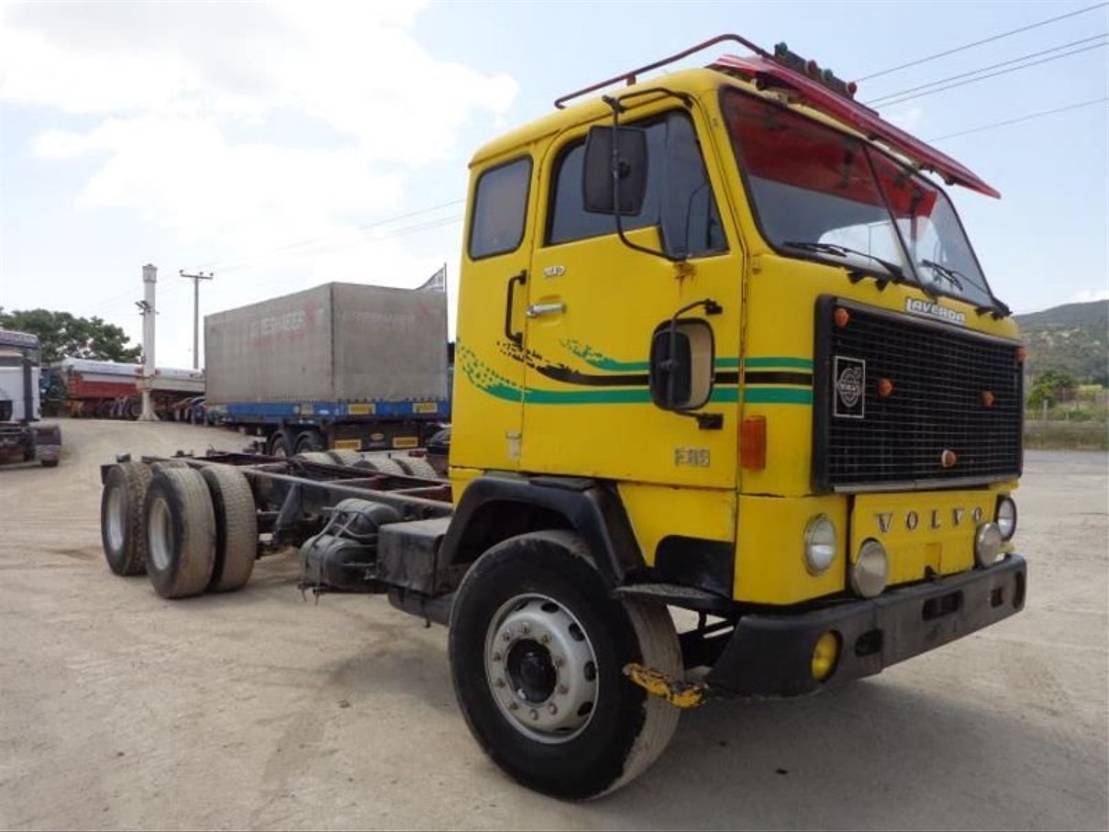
{"x":723,"y":347}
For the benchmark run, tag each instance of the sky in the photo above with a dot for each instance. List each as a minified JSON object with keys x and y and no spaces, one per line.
{"x":284,"y":145}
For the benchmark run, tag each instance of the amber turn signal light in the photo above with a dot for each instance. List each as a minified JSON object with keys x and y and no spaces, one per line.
{"x":1022,"y":353}
{"x":841,"y":316}
{"x":885,"y":388}
{"x":752,"y":443}
{"x":988,"y":398}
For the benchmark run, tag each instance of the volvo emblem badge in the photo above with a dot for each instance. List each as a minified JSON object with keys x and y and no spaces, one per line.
{"x":849,"y":401}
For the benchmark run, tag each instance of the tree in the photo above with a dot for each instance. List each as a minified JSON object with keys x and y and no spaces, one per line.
{"x":1052,"y":386}
{"x":63,"y":335}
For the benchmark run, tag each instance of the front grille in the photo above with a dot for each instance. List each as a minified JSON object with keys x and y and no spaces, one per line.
{"x":941,"y":377}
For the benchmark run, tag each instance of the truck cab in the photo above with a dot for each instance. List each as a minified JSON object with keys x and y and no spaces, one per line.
{"x":742,"y":308}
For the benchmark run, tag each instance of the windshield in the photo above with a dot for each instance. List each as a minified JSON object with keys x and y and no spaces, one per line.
{"x":820,"y":193}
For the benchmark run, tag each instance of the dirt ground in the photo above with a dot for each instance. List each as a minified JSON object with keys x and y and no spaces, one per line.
{"x":120,"y":710}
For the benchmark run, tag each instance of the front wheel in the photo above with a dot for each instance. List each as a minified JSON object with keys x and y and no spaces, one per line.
{"x":537,"y":650}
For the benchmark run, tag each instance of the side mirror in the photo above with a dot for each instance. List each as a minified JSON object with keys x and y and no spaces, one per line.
{"x":681,"y":371}
{"x":631,"y":168}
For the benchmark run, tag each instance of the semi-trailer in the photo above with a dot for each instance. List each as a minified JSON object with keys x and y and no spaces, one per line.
{"x":339,"y":366}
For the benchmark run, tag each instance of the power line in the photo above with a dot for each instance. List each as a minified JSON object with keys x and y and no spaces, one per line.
{"x":1028,"y":117}
{"x":878,"y":101}
{"x":990,"y":39}
{"x":992,"y":75}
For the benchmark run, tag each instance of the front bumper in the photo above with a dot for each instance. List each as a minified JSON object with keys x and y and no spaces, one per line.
{"x":770,"y":655}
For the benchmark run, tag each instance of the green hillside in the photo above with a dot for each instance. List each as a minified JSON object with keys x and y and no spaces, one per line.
{"x":1073,"y":337}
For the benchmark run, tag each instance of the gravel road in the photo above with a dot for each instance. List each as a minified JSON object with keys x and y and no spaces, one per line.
{"x":255,"y":709}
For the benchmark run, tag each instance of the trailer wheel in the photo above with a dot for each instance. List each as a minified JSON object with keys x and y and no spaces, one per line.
{"x":309,"y":441}
{"x":537,"y":651}
{"x":122,"y":520}
{"x":236,"y":527}
{"x":181,"y":532}
{"x":417,"y":466}
{"x":278,"y":444}
{"x":345,"y":456}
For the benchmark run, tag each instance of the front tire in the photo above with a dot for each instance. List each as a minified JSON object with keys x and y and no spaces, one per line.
{"x":122,"y":519}
{"x":534,"y":626}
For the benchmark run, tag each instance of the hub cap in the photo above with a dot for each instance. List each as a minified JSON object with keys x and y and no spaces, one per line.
{"x":160,"y":533}
{"x":541,"y":668}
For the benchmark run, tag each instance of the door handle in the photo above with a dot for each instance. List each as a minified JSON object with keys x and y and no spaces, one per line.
{"x":537,"y":309}
{"x":516,"y":338}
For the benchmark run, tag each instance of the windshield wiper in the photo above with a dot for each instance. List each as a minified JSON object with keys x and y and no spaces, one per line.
{"x":950,"y":275}
{"x":896,"y":273}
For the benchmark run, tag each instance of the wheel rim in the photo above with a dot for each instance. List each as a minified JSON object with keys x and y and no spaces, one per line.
{"x":541,"y":668}
{"x":116,"y":518}
{"x":160,"y":533}
{"x":279,"y":449}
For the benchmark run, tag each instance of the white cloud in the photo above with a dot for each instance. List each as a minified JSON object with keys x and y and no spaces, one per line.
{"x":173,"y":84}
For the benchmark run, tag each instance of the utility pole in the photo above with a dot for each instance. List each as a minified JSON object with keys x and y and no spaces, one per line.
{"x":196,"y":278}
{"x":147,"y":308}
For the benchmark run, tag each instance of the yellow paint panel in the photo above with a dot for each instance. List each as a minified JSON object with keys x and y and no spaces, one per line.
{"x":923,"y":530}
{"x":349,"y":444}
{"x":425,"y":407}
{"x":658,"y":511}
{"x":405,"y":442}
{"x":770,"y":567}
{"x":361,"y":409}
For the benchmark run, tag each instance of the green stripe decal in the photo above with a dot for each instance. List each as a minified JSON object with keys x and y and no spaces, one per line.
{"x":777,"y":395}
{"x":778,"y":361}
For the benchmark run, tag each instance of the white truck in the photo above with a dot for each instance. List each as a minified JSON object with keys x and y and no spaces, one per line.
{"x":21,"y":439}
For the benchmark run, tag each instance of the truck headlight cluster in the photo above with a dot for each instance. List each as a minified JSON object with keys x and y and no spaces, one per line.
{"x":870,"y":571}
{"x":1006,"y":517}
{"x":820,"y":544}
{"x":987,"y":544}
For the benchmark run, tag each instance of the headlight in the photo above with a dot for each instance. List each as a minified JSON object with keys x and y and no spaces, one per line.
{"x":987,"y":544}
{"x":1006,"y":517}
{"x":870,"y":571}
{"x":820,"y":544}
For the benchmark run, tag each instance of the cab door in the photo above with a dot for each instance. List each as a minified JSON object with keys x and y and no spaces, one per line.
{"x":595,"y":304}
{"x":489,"y":373}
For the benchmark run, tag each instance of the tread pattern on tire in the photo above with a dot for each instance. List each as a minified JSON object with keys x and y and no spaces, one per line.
{"x":345,"y":456}
{"x":236,"y":521}
{"x":193,"y":548}
{"x":136,"y":480}
{"x":320,"y":457}
{"x":417,"y":466}
{"x":384,"y":464}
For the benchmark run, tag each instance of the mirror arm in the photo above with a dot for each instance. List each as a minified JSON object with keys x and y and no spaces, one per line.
{"x":705,"y":421}
{"x":617,"y":107}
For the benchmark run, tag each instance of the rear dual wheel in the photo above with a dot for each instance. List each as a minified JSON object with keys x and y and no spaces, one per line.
{"x":189,"y":529}
{"x":537,"y":650}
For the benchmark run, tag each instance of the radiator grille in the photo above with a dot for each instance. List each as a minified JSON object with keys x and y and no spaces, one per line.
{"x":953,"y":391}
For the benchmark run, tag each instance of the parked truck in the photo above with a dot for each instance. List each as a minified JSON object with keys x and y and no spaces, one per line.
{"x":723,"y":345}
{"x":340,"y":366}
{"x":110,"y":389}
{"x":22,"y":439}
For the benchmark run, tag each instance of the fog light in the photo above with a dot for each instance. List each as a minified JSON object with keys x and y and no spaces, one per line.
{"x":870,"y":571}
{"x":824,"y":656}
{"x":820,"y":544}
{"x":1006,"y":517}
{"x":987,"y":544}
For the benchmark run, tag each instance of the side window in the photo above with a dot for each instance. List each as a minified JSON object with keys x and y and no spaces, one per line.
{"x":679,"y":196}
{"x":500,"y":209}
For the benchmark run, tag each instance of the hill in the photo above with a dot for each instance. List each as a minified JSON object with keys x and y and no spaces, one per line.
{"x":1073,"y":337}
